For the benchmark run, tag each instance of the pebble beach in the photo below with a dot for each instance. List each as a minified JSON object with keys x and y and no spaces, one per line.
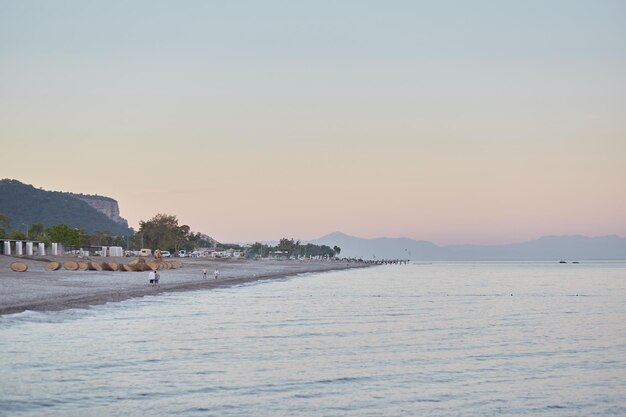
{"x":39,"y":289}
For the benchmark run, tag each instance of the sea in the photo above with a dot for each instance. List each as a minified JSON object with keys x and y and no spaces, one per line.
{"x":438,"y":339}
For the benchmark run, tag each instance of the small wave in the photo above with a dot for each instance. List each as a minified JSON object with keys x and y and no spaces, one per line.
{"x":50,"y":317}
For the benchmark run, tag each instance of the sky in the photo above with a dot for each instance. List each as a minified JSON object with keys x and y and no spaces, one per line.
{"x":483,"y":122}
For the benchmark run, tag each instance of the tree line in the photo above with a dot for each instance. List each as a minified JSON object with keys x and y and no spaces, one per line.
{"x":289,"y":247}
{"x":161,"y":231}
{"x":61,"y":233}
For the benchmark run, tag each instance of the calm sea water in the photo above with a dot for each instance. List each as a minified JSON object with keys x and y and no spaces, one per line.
{"x":485,"y":339}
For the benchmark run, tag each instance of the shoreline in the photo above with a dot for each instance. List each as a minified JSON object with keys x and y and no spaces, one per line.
{"x":41,"y":290}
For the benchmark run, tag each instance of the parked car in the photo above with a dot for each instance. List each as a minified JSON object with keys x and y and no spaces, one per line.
{"x":182,"y":253}
{"x":165,"y":254}
{"x":145,"y":252}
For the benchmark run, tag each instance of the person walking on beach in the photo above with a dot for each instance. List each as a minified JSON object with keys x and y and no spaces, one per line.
{"x":217,"y":273}
{"x":204,"y":271}
{"x":152,"y":277}
{"x":157,"y":277}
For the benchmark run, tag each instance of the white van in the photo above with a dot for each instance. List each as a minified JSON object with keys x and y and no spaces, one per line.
{"x":145,"y":252}
{"x":182,"y":253}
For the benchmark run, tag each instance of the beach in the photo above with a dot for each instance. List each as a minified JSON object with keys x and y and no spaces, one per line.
{"x":40,"y":290}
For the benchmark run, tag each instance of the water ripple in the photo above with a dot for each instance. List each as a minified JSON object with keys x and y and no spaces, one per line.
{"x":437,"y":340}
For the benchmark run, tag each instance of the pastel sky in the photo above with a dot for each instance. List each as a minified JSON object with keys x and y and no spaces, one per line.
{"x":451,"y":121}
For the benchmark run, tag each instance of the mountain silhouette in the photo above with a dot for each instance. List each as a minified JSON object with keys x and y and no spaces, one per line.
{"x":568,"y":248}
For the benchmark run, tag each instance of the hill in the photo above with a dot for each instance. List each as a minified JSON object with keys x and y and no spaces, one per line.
{"x":24,"y":205}
{"x":545,"y":248}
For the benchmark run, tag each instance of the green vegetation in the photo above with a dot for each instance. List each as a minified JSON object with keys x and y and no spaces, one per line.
{"x":27,"y":213}
{"x":66,"y":236}
{"x":289,"y":247}
{"x":105,"y":239}
{"x":4,"y":224}
{"x":25,"y":205}
{"x":163,"y":231}
{"x":258,"y":250}
{"x":61,"y":233}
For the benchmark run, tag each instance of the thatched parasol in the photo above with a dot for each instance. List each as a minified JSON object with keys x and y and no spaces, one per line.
{"x":175,"y":264}
{"x":113,"y":266}
{"x":19,"y":266}
{"x":70,"y":265}
{"x":140,"y":267}
{"x":137,"y":261}
{"x":53,"y":266}
{"x":154,"y":265}
{"x":94,"y":266}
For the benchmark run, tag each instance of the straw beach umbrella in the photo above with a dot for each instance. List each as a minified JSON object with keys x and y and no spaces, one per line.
{"x":137,"y":261}
{"x":53,"y":266}
{"x":112,"y":266}
{"x":94,"y":266}
{"x":154,"y":265}
{"x":19,"y":266}
{"x":70,"y":265}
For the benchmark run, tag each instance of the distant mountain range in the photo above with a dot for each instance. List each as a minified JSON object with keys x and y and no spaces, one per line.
{"x":568,"y":248}
{"x":25,"y":205}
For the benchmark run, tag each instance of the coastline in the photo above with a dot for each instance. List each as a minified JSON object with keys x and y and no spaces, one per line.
{"x":41,"y":290}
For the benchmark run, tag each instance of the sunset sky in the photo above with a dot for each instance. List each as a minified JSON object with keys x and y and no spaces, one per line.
{"x":480,"y":122}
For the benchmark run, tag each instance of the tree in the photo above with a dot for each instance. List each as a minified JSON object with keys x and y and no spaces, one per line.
{"x":119,"y":241}
{"x":337,"y":250}
{"x":63,"y":234}
{"x":327,"y":251}
{"x":135,"y":241}
{"x":257,"y":249}
{"x":101,"y":239}
{"x":37,"y":231}
{"x":183,"y":238}
{"x":162,"y":231}
{"x":289,"y":246}
{"x":5,"y":222}
{"x":18,"y":235}
{"x":105,"y":239}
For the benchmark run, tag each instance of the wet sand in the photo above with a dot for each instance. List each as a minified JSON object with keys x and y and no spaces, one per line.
{"x":41,"y":290}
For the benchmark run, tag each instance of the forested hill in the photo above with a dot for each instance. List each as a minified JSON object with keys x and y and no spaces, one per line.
{"x":25,"y":205}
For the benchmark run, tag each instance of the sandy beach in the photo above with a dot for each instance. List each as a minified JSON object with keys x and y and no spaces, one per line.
{"x":41,"y":290}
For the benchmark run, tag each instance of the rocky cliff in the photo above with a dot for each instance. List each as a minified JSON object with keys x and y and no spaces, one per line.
{"x":25,"y":205}
{"x":104,"y":205}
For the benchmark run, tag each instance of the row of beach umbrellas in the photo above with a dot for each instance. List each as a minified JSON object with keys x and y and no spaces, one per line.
{"x":136,"y":265}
